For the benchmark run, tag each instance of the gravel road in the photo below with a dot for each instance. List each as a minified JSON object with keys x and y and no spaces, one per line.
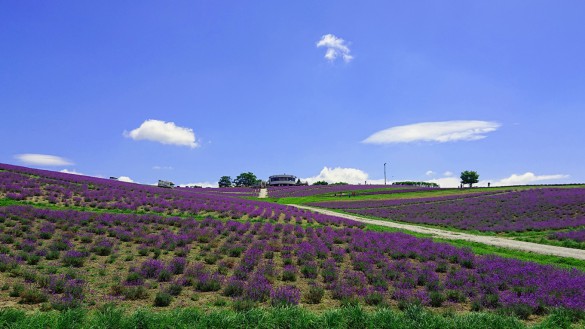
{"x":263,"y":193}
{"x":491,"y":240}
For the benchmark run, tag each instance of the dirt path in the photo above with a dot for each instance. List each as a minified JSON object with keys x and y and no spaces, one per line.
{"x":444,"y":234}
{"x":263,"y":193}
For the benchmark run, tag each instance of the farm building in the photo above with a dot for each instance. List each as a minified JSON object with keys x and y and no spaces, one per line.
{"x":282,"y":180}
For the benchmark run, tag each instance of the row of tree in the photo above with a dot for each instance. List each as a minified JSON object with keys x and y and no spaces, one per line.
{"x":322,"y":182}
{"x":245,"y":179}
{"x":248,"y":179}
{"x":420,"y":184}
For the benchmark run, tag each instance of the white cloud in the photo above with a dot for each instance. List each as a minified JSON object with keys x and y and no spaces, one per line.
{"x":67,"y":171}
{"x":334,"y":175}
{"x":125,"y":179}
{"x":202,"y":184}
{"x":445,"y":181}
{"x":430,"y":173}
{"x":163,"y":132}
{"x":42,"y":159}
{"x":448,"y":173}
{"x":526,"y":178}
{"x":443,"y":131}
{"x":514,"y":179}
{"x":336,"y":47}
{"x":163,"y":168}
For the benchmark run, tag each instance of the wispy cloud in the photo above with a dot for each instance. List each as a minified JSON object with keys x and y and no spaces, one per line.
{"x":42,"y":160}
{"x":162,"y":168}
{"x":430,"y":173}
{"x":202,"y":184}
{"x":336,"y":47}
{"x":164,"y":133}
{"x":527,"y":178}
{"x":442,"y":131}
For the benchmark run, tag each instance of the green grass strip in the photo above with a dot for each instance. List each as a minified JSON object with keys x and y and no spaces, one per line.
{"x":288,"y":317}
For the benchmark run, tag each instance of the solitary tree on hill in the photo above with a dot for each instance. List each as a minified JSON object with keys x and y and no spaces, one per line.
{"x":246,"y":179}
{"x":225,"y":181}
{"x":469,"y":177}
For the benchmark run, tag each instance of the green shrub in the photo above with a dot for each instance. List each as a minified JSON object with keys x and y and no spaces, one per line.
{"x":374,"y":298}
{"x":52,"y":255}
{"x":437,"y":298}
{"x":17,"y":289}
{"x":135,"y":293}
{"x":315,"y":294}
{"x":164,"y":275}
{"x":174,"y":289}
{"x":456,"y":296}
{"x":219,"y":302}
{"x":32,"y":296}
{"x":243,"y":305}
{"x":162,"y":299}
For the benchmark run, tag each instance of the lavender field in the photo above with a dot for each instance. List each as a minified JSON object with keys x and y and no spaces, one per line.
{"x":72,"y":241}
{"x":507,"y":211}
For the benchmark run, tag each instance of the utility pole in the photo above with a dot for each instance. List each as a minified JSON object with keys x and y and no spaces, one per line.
{"x":384,"y":173}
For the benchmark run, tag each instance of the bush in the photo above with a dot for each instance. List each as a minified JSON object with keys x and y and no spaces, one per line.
{"x":135,"y":292}
{"x":164,"y":276}
{"x":522,"y":311}
{"x":65,"y":302}
{"x":309,"y":271}
{"x":456,"y":296}
{"x":174,"y":289}
{"x":285,"y":296}
{"x":374,"y":298}
{"x":32,"y":296}
{"x":207,"y":283}
{"x":315,"y":294}
{"x":243,"y":305}
{"x":151,"y":268}
{"x":219,"y":302}
{"x":52,"y":255}
{"x":234,"y":288}
{"x":134,"y":279}
{"x":17,"y":289}
{"x":74,"y":258}
{"x":437,"y":298}
{"x":289,"y":273}
{"x":162,"y":299}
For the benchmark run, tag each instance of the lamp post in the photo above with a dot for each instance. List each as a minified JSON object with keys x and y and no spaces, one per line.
{"x":384,"y":173}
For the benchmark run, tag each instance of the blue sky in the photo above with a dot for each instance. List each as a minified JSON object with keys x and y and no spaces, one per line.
{"x":323,"y":90}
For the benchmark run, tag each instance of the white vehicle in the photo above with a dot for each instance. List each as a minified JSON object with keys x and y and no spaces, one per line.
{"x":165,"y":184}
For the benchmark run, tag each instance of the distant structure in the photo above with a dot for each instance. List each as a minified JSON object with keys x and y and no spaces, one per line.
{"x":165,"y":184}
{"x":114,"y":178}
{"x":282,"y":180}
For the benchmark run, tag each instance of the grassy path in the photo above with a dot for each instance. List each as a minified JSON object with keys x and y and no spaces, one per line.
{"x":444,"y":234}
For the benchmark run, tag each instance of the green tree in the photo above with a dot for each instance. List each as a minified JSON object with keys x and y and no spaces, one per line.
{"x":469,"y":177}
{"x":225,"y":181}
{"x":246,"y":179}
{"x":321,"y":182}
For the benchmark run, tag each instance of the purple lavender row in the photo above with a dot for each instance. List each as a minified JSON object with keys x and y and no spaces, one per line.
{"x":578,"y":236}
{"x":348,"y":262}
{"x":20,"y":183}
{"x":537,"y":209}
{"x":303,"y":191}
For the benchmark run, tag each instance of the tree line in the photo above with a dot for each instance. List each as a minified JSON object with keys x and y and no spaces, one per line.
{"x":245,"y":179}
